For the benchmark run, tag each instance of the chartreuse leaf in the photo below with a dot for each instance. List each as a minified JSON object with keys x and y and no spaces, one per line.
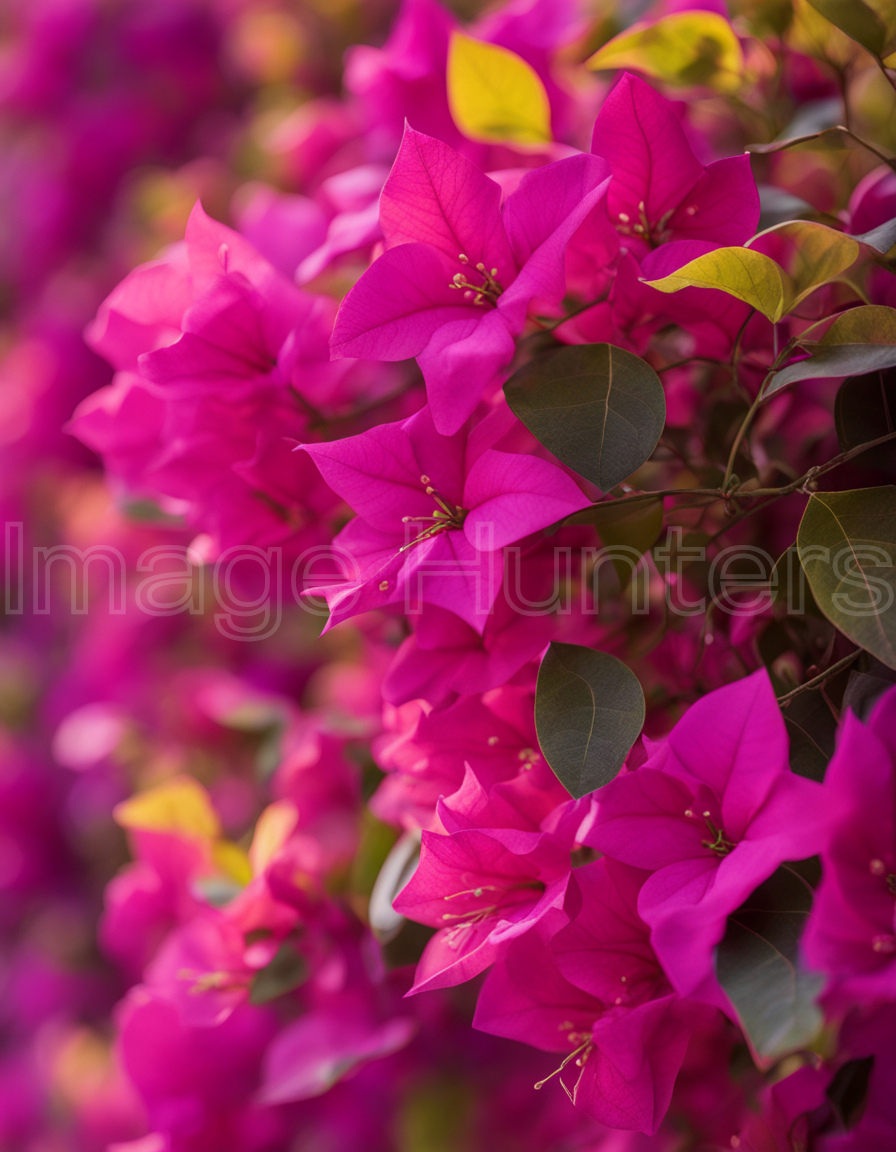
{"x":495,"y":95}
{"x":871,"y":23}
{"x":865,"y":410}
{"x":847,"y":547}
{"x":806,"y":256}
{"x":747,"y":275}
{"x":809,"y":253}
{"x":867,"y":324}
{"x":759,"y":968}
{"x":180,"y":806}
{"x":685,"y":48}
{"x":598,"y":408}
{"x":589,"y":709}
{"x":273,"y":828}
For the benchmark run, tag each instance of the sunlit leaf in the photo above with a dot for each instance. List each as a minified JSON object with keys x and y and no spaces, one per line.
{"x":759,"y":968}
{"x":747,"y":275}
{"x":589,"y":709}
{"x":494,"y":95}
{"x":859,"y":20}
{"x":598,"y":408}
{"x":232,"y":861}
{"x":272,"y":829}
{"x":847,"y":547}
{"x":809,"y":253}
{"x":180,"y":806}
{"x":686,"y":48}
{"x":867,"y":324}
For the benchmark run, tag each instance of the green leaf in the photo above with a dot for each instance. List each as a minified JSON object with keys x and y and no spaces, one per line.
{"x":598,"y":408}
{"x":809,"y":254}
{"x":682,"y":48}
{"x":634,"y":527}
{"x":847,"y":547}
{"x":865,"y":409}
{"x":398,"y":867}
{"x":286,"y":972}
{"x":494,"y":95}
{"x":747,"y":275}
{"x":792,"y":595}
{"x":589,"y":710}
{"x":860,"y":22}
{"x":759,"y":968}
{"x":839,"y":360}
{"x":813,"y":732}
{"x":867,"y":324}
{"x":882,"y":238}
{"x":848,"y":1091}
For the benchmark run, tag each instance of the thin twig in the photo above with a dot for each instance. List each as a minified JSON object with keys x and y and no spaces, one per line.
{"x":821,"y":677}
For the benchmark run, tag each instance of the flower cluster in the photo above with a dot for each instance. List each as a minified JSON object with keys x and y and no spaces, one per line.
{"x":448,"y":670}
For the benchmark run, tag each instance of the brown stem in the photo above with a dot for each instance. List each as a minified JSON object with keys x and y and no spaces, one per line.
{"x":821,"y":677}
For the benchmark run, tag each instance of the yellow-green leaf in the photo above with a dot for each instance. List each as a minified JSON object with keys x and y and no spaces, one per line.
{"x":686,"y":48}
{"x":809,"y":253}
{"x":232,"y":860}
{"x":494,"y":95}
{"x":180,"y":806}
{"x":867,"y":324}
{"x":275,"y":825}
{"x":741,"y":272}
{"x":871,"y":23}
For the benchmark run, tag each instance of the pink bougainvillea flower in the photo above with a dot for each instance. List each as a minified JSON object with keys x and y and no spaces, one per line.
{"x":596,"y":992}
{"x":434,"y":513}
{"x":711,"y":814}
{"x":659,"y":189}
{"x":481,"y":888}
{"x":220,"y":359}
{"x":460,"y":268}
{"x":852,"y":931}
{"x":311,"y":1054}
{"x":426,"y":752}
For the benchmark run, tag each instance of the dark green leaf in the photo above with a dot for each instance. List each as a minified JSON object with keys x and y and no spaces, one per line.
{"x":633,"y":528}
{"x":589,"y":709}
{"x":848,"y":1091}
{"x":836,"y":360}
{"x":759,"y":968}
{"x":599,"y":409}
{"x":847,"y":547}
{"x":882,"y":238}
{"x":857,"y":20}
{"x":865,"y":409}
{"x":813,"y":732}
{"x":790,"y":588}
{"x":286,"y":972}
{"x":863,"y":690}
